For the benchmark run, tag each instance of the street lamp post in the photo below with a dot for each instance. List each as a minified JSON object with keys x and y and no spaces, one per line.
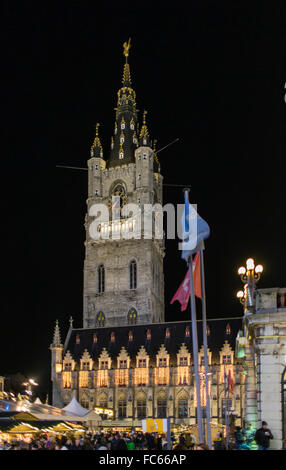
{"x":249,"y":275}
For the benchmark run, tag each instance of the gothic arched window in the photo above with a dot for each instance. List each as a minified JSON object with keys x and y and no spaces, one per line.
{"x":132,"y":316}
{"x":100,"y":320}
{"x":162,"y":406}
{"x":101,"y":279}
{"x":133,"y":275}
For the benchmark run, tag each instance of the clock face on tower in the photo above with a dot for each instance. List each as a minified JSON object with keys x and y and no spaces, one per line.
{"x":120,"y":192}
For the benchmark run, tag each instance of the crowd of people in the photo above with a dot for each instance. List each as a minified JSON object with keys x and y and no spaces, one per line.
{"x":106,"y":441}
{"x":243,"y":439}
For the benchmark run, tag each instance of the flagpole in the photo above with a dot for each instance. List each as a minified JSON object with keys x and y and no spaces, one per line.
{"x":225,"y":411}
{"x":204,"y":315}
{"x":195,"y":349}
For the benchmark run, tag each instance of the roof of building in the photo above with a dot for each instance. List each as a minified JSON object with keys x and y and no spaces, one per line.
{"x":132,"y":337}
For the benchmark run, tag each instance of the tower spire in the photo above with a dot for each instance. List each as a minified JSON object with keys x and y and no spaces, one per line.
{"x":96,"y":148}
{"x":124,"y":143}
{"x":126,"y":79}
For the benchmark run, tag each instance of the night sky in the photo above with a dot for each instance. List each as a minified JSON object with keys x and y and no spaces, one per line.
{"x":212,"y":75}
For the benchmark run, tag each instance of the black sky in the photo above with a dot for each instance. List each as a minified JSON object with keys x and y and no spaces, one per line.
{"x":212,"y":75}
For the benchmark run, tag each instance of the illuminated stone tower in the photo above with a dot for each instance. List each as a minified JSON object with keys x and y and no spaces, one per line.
{"x":123,"y":278}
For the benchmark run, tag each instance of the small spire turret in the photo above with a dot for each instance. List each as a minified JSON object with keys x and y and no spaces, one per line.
{"x":57,"y":335}
{"x":96,"y":148}
{"x":144,"y":133}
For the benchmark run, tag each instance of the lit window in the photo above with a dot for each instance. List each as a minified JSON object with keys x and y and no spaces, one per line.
{"x":121,"y":155}
{"x":132,"y":316}
{"x":123,"y":364}
{"x":183,"y":408}
{"x":67,"y":379}
{"x":100,"y":319}
{"x":83,"y":379}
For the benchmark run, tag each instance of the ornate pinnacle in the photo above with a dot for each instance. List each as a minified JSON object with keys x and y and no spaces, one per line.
{"x":96,"y":148}
{"x":144,"y":130}
{"x":57,"y":335}
{"x":126,"y":79}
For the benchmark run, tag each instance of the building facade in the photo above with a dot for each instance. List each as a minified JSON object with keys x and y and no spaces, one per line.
{"x":262,"y":347}
{"x":147,"y":371}
{"x":125,"y":357}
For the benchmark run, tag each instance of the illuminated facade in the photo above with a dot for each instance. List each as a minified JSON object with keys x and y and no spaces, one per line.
{"x":147,"y":371}
{"x":125,"y":357}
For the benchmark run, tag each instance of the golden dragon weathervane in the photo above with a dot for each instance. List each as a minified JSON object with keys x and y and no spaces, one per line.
{"x":126,"y":47}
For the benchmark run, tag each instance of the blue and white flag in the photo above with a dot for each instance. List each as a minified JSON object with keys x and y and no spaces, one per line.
{"x":195,"y":230}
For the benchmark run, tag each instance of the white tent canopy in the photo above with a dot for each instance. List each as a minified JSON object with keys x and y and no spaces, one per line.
{"x":38,"y":401}
{"x":74,"y":408}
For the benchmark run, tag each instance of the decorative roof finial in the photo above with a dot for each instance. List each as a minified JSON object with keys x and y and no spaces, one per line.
{"x":57,"y":335}
{"x":126,"y":47}
{"x":126,"y":80}
{"x":71,"y":321}
{"x":144,"y":134}
{"x":96,"y":148}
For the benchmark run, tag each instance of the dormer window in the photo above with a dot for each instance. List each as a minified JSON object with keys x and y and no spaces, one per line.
{"x":115,"y":129}
{"x":130,"y":336}
{"x":142,"y":363}
{"x":162,"y":362}
{"x":122,"y":138}
{"x":167,"y":333}
{"x":228,"y":329}
{"x":144,"y":142}
{"x":208,"y":330}
{"x":77,"y":339}
{"x":148,"y":334}
{"x":226,"y":359}
{"x":187,"y":333}
{"x":103,"y":365}
{"x":122,"y":125}
{"x":183,"y":361}
{"x":121,"y":155}
{"x":132,"y":124}
{"x":123,"y":364}
{"x":94,"y":338}
{"x":112,"y":337}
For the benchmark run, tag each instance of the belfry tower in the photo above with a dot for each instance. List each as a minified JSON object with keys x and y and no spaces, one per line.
{"x":123,"y":278}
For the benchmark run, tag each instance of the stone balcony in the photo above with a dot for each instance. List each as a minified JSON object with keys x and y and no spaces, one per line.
{"x":271,"y":300}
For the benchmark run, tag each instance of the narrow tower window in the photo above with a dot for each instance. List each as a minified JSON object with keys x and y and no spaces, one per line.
{"x":101,"y":279}
{"x":133,"y":275}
